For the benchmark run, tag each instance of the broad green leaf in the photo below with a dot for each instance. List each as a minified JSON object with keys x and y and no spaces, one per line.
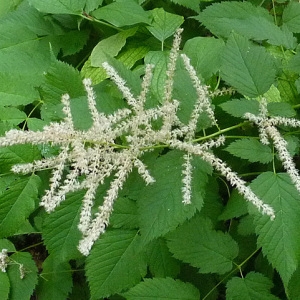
{"x":59,"y":6}
{"x":279,"y":238}
{"x":251,"y":149}
{"x":281,"y":109}
{"x":4,"y":286}
{"x":60,"y":231}
{"x":17,"y":154}
{"x":294,"y":63}
{"x":194,"y":5}
{"x":247,"y":67}
{"x":7,"y":244}
{"x":55,"y":280}
{"x":164,"y":24}
{"x":17,"y":203}
{"x":205,"y":54}
{"x":160,"y":204}
{"x":22,"y":288}
{"x":115,"y":263}
{"x":291,"y":16}
{"x":12,"y":115}
{"x":293,"y":290}
{"x":254,"y":286}
{"x":124,"y":214}
{"x":90,"y":5}
{"x":245,"y":19}
{"x":163,"y":289}
{"x":238,"y":107}
{"x":110,"y":47}
{"x":197,"y":243}
{"x":122,"y":13}
{"x":160,"y":260}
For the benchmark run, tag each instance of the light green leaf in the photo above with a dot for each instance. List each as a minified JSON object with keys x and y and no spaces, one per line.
{"x":160,"y":260}
{"x":91,"y":5}
{"x":12,"y":115}
{"x":124,"y":214}
{"x":164,"y":24}
{"x":253,"y":22}
{"x":115,"y":263}
{"x":205,"y":54}
{"x":160,"y":204}
{"x":55,"y":280}
{"x":16,"y":204}
{"x":110,"y":47}
{"x":60,"y":231}
{"x":291,"y":16}
{"x":7,"y":244}
{"x":247,"y":67}
{"x":196,"y":243}
{"x":22,"y":288}
{"x":238,"y":107}
{"x":122,"y":13}
{"x":280,"y":238}
{"x":4,"y":286}
{"x":59,"y":6}
{"x":254,"y":286}
{"x":194,"y":5}
{"x":251,"y":149}
{"x":163,"y":289}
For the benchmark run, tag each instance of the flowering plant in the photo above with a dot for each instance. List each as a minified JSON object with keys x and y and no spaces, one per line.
{"x":129,"y":171}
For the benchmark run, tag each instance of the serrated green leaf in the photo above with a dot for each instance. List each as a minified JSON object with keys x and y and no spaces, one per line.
{"x":124,"y":214}
{"x":293,"y":290}
{"x":164,"y":24}
{"x":279,"y":238}
{"x":205,"y":54}
{"x":110,"y":47}
{"x":251,"y":149}
{"x":196,"y":243}
{"x":59,"y":6}
{"x":22,"y":288}
{"x":4,"y":286}
{"x":160,"y":260}
{"x":254,"y":286}
{"x":163,"y":289}
{"x":160,"y":204}
{"x":122,"y":13}
{"x":91,"y":5}
{"x":115,"y":263}
{"x":194,"y":5}
{"x":17,"y":154}
{"x":60,"y":229}
{"x":16,"y":204}
{"x":238,"y":107}
{"x":253,"y":22}
{"x":12,"y":116}
{"x":281,"y":109}
{"x":291,"y":15}
{"x":247,"y":67}
{"x":55,"y":280}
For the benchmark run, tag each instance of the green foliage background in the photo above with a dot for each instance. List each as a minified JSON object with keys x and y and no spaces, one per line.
{"x":155,"y":248}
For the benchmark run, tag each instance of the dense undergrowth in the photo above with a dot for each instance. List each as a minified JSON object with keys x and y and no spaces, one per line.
{"x":172,"y":173}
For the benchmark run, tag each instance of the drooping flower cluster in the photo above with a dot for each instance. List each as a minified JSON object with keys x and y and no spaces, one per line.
{"x":91,"y":157}
{"x":3,"y":260}
{"x":267,"y":130}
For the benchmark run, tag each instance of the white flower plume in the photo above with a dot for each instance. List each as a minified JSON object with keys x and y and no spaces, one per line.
{"x":91,"y":155}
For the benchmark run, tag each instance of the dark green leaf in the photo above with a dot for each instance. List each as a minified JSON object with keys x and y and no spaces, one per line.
{"x":196,"y":243}
{"x":291,"y":16}
{"x":247,"y":67}
{"x":238,"y":107}
{"x":163,"y":289}
{"x":115,"y":263}
{"x":4,"y":285}
{"x":251,"y":149}
{"x":194,"y":5}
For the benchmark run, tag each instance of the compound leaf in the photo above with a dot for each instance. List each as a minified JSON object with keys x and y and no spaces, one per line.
{"x":279,"y":238}
{"x":196,"y":243}
{"x":114,"y":263}
{"x":247,"y":67}
{"x":254,"y":286}
{"x":163,"y":289}
{"x":251,"y":149}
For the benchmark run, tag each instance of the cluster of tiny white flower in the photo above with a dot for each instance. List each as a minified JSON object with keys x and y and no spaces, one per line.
{"x":3,"y":260}
{"x":91,"y":154}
